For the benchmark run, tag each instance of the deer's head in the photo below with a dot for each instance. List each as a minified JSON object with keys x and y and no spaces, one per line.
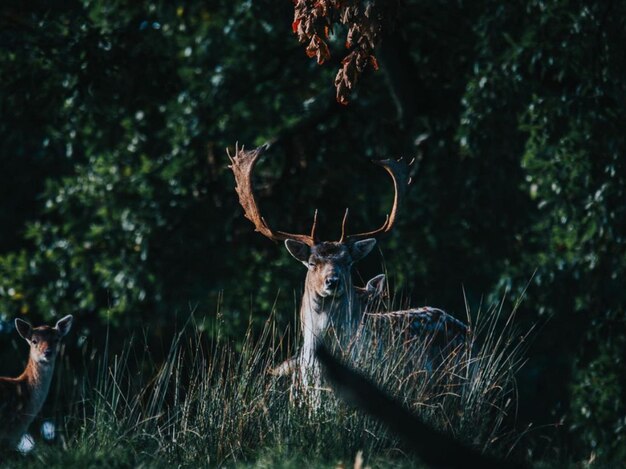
{"x":328,"y":262}
{"x":44,"y":341}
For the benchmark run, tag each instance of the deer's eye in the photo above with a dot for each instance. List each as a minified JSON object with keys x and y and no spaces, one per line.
{"x":34,"y":341}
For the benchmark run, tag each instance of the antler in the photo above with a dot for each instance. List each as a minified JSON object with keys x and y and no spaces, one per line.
{"x":243,"y":163}
{"x":399,"y":172}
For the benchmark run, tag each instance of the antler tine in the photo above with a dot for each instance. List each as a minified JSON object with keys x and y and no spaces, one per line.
{"x":308,"y":239}
{"x":343,"y":226}
{"x":399,"y":172}
{"x":314,"y":227}
{"x":243,"y":163}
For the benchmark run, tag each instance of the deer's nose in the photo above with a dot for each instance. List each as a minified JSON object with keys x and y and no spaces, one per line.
{"x":332,"y":282}
{"x":48,"y":353}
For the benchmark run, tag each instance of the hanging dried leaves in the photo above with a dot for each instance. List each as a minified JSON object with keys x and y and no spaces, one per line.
{"x":313,"y":22}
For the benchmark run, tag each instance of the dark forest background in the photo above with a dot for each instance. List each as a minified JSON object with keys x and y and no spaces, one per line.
{"x":117,"y":205}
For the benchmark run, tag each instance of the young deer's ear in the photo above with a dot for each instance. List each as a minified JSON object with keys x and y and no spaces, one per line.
{"x":24,"y":329}
{"x":63,"y":325}
{"x":376,"y":285}
{"x":362,"y":248}
{"x":298,"y":250}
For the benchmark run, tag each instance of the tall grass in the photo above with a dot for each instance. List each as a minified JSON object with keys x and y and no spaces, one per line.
{"x":211,"y":403}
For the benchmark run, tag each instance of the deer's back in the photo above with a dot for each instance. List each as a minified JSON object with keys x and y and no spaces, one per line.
{"x":439,"y":328}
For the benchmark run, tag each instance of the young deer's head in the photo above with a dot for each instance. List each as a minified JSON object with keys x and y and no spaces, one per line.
{"x":44,"y":341}
{"x":329,"y":263}
{"x":373,"y":294}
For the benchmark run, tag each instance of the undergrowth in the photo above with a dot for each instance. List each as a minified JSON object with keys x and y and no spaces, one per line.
{"x":211,"y":402}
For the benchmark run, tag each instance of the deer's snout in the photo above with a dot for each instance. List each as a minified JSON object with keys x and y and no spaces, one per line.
{"x":48,"y":352}
{"x":331,"y":282}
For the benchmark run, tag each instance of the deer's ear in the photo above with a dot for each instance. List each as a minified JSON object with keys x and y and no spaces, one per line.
{"x":360,"y":249}
{"x":63,"y":325}
{"x":24,"y":329}
{"x":376,"y":285}
{"x":298,"y":250}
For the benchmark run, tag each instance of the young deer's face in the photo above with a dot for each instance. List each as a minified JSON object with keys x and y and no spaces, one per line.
{"x":44,"y":341}
{"x":373,"y":294}
{"x":329,"y":264}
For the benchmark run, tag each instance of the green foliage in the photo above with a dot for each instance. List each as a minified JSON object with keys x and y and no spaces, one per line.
{"x":553,"y":79}
{"x":599,"y":388}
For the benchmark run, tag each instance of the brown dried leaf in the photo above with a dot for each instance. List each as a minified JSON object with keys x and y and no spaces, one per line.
{"x":323,"y":53}
{"x":312,"y":48}
{"x":295,"y":25}
{"x":342,"y":90}
{"x":374,"y":62}
{"x":353,"y":35}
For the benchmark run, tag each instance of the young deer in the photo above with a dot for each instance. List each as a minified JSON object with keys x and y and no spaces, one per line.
{"x":21,"y":398}
{"x":367,"y":297}
{"x":329,"y":297}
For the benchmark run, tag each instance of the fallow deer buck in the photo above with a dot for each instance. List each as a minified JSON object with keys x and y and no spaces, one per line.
{"x":21,"y":398}
{"x":329,"y":297}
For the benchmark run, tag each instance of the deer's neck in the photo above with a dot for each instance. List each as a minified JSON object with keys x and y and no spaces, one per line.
{"x":37,"y":377}
{"x":318,"y":313}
